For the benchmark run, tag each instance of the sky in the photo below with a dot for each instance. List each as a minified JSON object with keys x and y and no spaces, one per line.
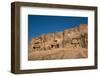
{"x":43,"y":24}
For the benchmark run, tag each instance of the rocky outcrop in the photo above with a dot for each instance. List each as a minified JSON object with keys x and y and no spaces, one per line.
{"x":75,"y":37}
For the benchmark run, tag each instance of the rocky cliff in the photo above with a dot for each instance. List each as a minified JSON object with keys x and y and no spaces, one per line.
{"x":74,"y":37}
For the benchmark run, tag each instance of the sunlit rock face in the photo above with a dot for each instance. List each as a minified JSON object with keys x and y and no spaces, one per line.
{"x":67,"y":44}
{"x":68,"y":38}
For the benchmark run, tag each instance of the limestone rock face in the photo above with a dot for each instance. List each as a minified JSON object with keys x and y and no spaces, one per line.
{"x":74,"y":37}
{"x":83,"y":28}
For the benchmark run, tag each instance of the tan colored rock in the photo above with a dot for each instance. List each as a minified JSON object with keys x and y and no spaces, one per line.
{"x":67,"y":38}
{"x":83,"y":28}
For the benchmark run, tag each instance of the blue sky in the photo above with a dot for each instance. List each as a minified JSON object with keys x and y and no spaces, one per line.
{"x":43,"y":24}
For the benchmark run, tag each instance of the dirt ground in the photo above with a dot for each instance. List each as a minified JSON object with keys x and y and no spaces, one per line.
{"x":58,"y":53}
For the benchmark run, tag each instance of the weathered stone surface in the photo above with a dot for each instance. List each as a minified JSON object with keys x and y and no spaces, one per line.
{"x":67,"y":44}
{"x":75,"y":37}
